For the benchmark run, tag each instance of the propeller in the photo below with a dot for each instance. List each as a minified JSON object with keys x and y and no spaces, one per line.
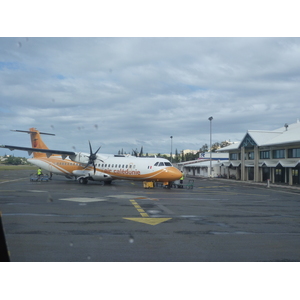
{"x":135,"y":153}
{"x":92,"y":158}
{"x":138,"y":154}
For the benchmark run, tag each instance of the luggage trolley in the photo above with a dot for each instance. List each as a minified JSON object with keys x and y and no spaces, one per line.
{"x":35,"y":177}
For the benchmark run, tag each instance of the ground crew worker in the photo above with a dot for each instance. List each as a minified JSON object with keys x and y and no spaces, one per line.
{"x":39,"y":173}
{"x":181,"y":179}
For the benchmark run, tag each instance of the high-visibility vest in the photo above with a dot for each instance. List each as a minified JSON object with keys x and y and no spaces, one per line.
{"x":39,"y":172}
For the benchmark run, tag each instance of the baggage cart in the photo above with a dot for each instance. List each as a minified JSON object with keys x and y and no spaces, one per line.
{"x":148,"y":184}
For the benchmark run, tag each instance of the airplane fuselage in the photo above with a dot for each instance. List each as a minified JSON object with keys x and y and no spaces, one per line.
{"x":95,"y":166}
{"x":110,"y":167}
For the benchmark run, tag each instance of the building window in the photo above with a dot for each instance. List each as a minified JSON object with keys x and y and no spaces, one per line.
{"x":264,"y":155}
{"x":250,"y":155}
{"x":292,"y":153}
{"x":279,"y":153}
{"x":233,"y":156}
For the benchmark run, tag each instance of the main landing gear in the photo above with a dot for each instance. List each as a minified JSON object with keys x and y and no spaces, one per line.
{"x":83,"y":180}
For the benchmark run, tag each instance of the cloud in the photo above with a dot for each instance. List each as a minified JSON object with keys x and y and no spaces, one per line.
{"x":123,"y":92}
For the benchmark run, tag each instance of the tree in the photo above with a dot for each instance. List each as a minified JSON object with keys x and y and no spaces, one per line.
{"x":225,"y":144}
{"x":11,"y":160}
{"x":204,"y":148}
{"x":177,"y":156}
{"x":215,"y":147}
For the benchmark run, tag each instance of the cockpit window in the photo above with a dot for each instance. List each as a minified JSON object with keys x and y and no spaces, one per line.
{"x":162,"y":164}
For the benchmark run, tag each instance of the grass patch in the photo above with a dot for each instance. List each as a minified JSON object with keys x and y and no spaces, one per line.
{"x":16,"y":168}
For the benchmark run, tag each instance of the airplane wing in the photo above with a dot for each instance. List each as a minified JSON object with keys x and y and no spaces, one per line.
{"x":48,"y":152}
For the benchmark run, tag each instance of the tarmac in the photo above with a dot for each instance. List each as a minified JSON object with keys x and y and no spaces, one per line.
{"x":219,"y":220}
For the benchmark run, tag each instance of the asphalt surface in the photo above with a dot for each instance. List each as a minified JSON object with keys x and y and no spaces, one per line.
{"x":216,"y":221}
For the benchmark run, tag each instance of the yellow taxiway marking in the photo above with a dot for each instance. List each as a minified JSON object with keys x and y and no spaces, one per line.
{"x":145,"y":217}
{"x":149,"y":221}
{"x":139,"y":209}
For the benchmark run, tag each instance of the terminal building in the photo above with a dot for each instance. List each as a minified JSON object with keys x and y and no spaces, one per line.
{"x":259,"y":157}
{"x":265,"y":155}
{"x":201,"y":166}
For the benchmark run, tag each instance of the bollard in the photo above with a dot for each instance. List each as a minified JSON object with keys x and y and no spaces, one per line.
{"x":268,"y":183}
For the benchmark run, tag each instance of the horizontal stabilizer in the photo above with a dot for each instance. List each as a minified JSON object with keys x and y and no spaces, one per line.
{"x":27,"y":131}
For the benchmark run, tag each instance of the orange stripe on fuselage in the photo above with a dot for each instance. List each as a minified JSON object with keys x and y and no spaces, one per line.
{"x":165,"y":174}
{"x":66,"y":166}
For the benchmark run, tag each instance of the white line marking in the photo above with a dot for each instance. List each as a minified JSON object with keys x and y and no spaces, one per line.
{"x":85,"y":200}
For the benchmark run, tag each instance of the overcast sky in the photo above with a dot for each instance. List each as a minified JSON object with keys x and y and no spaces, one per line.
{"x":132,"y":92}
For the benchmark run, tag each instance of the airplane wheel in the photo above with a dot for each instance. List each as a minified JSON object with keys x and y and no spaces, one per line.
{"x":83,"y":181}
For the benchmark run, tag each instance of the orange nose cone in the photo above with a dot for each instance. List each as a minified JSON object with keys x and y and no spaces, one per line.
{"x":173,"y":174}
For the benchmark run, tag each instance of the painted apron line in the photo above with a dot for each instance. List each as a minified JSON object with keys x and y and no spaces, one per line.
{"x":139,"y":209}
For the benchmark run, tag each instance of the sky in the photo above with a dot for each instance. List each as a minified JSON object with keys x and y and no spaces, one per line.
{"x":137,"y":91}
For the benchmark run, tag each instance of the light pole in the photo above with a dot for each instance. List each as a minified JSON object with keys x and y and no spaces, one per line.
{"x":171,"y":146}
{"x":210,"y":119}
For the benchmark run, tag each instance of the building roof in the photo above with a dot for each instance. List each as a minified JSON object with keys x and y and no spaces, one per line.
{"x":283,"y":135}
{"x":204,"y":163}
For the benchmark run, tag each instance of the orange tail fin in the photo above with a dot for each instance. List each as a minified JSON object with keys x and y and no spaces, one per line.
{"x":37,"y":142}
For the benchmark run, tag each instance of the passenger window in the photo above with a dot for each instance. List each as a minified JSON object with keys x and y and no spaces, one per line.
{"x":122,"y":166}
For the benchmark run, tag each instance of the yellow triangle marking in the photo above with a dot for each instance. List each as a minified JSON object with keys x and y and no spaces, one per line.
{"x":149,"y":221}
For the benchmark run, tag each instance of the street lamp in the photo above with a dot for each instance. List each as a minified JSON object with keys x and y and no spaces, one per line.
{"x":171,"y":146}
{"x":210,"y":119}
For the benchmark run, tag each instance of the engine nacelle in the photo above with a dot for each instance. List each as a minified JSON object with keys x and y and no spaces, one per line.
{"x":89,"y":175}
{"x":80,"y":158}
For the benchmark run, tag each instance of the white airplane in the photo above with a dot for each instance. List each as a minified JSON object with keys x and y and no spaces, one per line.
{"x":97,"y":167}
